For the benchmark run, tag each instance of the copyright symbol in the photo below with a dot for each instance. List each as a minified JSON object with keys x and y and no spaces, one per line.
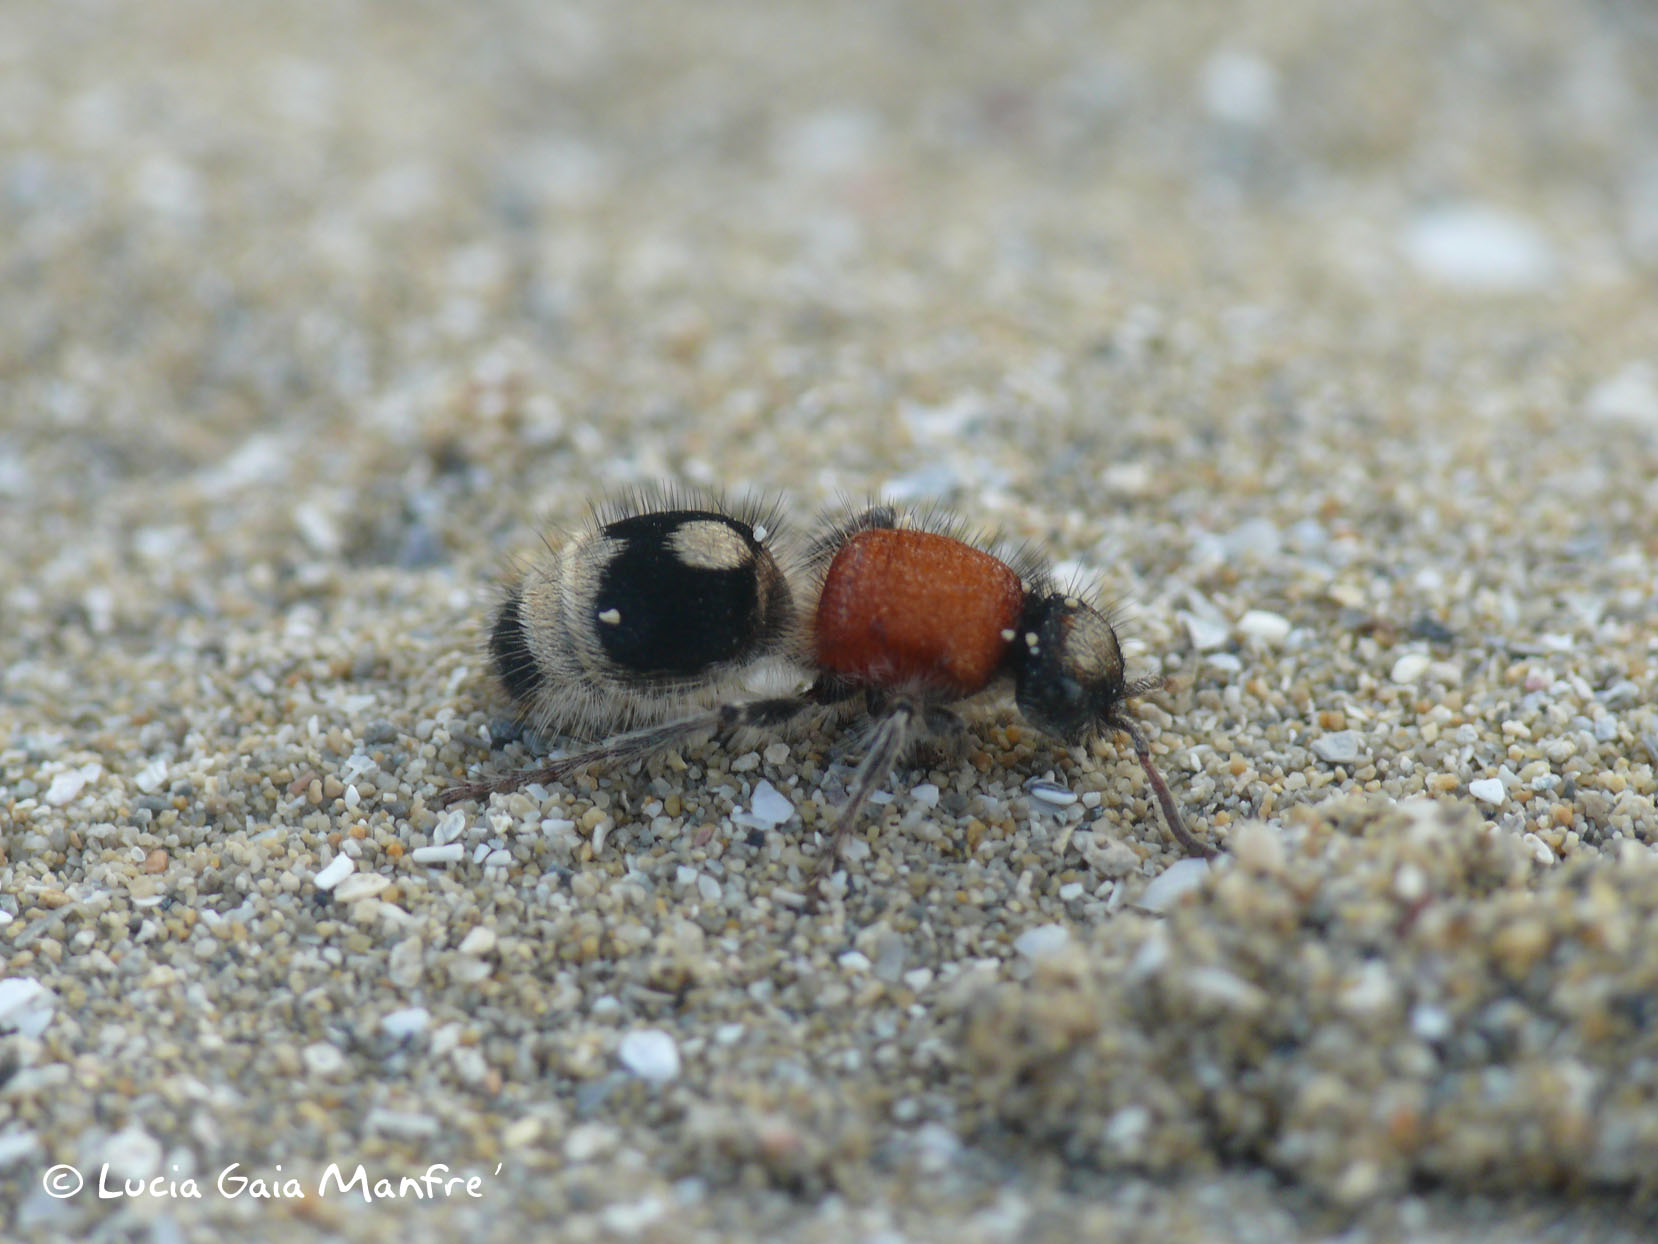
{"x":62,"y":1181}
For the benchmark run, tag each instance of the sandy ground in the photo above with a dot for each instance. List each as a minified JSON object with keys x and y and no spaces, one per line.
{"x":1319,"y":338}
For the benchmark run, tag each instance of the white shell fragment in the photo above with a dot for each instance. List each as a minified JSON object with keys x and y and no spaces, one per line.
{"x":650,"y":1054}
{"x":1270,"y":629}
{"x":1239,"y":88}
{"x":25,"y":1006}
{"x":1050,"y":792}
{"x":1170,"y":885}
{"x":479,"y":941}
{"x":1477,"y":248}
{"x":67,"y":786}
{"x":769,"y":804}
{"x":1408,"y":668}
{"x":411,"y":1021}
{"x":1204,"y":632}
{"x":449,"y":854}
{"x":323,"y":1059}
{"x":1489,"y":790}
{"x":336,"y":871}
{"x":1044,"y":939}
{"x":360,"y":886}
{"x":1339,"y":747}
{"x":1629,"y":395}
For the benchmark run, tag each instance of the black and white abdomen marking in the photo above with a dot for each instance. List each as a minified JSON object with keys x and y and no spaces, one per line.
{"x":682,"y":592}
{"x":656,"y":606}
{"x":509,"y":651}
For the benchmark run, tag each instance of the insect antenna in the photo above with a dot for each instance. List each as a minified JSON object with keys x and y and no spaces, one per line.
{"x":1171,"y":813}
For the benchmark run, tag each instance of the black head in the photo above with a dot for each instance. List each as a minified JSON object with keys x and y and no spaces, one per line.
{"x":1067,"y":667}
{"x":1068,"y":679}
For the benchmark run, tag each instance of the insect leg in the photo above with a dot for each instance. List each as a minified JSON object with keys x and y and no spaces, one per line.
{"x":636,"y":745}
{"x":890,"y":738}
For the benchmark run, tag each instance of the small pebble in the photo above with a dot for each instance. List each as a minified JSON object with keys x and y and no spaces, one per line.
{"x":408,"y":1124}
{"x":1259,"y":847}
{"x":1410,"y":883}
{"x":1478,"y":248}
{"x":650,"y":1054}
{"x":67,"y":786}
{"x":336,"y":871}
{"x":408,"y":1022}
{"x":407,"y":963}
{"x":769,"y":806}
{"x":132,"y":1153}
{"x":360,"y":886}
{"x":151,"y":777}
{"x":323,"y":1060}
{"x":1270,"y":629}
{"x":25,"y":1006}
{"x":1429,"y":1023}
{"x":1339,"y":747}
{"x":1410,"y":667}
{"x":1628,"y":395}
{"x":1226,"y":989}
{"x":438,"y":855}
{"x":590,"y":1141}
{"x":1205,"y":633}
{"x":451,"y":825}
{"x":480,"y":940}
{"x":1170,"y":885}
{"x":522,"y":1133}
{"x":1540,"y":850}
{"x":1050,"y":793}
{"x":17,"y":1145}
{"x":1044,"y":939}
{"x":1489,"y":790}
{"x":1126,"y":1129}
{"x":1369,"y":992}
{"x":628,"y":1220}
{"x":1240,"y":88}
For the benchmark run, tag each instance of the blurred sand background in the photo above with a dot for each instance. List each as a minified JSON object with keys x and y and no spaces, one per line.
{"x":1321,"y":337}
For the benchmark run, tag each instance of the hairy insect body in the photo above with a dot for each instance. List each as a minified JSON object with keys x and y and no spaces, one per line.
{"x":646,"y":622}
{"x":915,"y":608}
{"x":647,"y":613}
